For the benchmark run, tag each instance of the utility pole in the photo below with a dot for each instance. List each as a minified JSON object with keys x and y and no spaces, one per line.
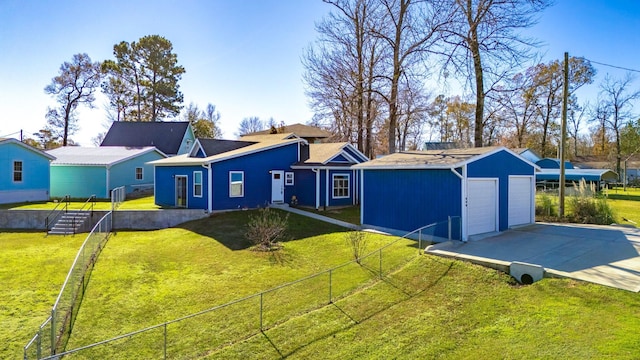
{"x":563,"y":132}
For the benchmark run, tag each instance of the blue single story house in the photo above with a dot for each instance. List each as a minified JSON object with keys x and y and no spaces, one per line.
{"x":24,"y":172}
{"x":84,"y":171}
{"x":258,"y":170}
{"x":488,"y":189}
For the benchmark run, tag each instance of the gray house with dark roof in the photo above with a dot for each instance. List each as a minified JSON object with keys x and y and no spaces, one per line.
{"x":171,"y":138}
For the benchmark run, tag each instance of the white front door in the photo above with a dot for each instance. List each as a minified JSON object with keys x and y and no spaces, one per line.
{"x":482,"y":206}
{"x":277,"y":186}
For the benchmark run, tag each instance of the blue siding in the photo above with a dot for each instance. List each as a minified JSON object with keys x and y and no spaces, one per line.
{"x":304,"y":188}
{"x":35,"y":174}
{"x":165,"y":186}
{"x":409,"y":199}
{"x":124,"y":173}
{"x":257,"y":179}
{"x":340,"y":158}
{"x":79,"y":182}
{"x":355,"y":154}
{"x":500,"y":165}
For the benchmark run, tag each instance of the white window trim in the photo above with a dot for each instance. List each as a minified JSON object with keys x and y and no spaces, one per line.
{"x":141,"y":173}
{"x":231,"y":173}
{"x":195,"y":193}
{"x":333,"y":186}
{"x":13,"y":171}
{"x":289,"y":178}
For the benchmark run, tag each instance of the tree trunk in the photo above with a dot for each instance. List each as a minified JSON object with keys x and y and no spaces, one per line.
{"x":479,"y":114}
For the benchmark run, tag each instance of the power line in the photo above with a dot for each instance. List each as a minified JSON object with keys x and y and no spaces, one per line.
{"x":612,"y":66}
{"x":7,"y":135}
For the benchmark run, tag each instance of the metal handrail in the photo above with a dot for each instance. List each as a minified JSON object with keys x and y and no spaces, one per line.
{"x":90,"y":203}
{"x":47,"y":221}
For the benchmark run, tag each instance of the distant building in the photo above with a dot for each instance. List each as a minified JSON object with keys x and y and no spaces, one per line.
{"x":171,"y":138}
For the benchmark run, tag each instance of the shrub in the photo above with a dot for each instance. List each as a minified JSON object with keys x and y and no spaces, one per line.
{"x":357,"y":241}
{"x":545,"y":206}
{"x":588,"y":207}
{"x":266,"y":229}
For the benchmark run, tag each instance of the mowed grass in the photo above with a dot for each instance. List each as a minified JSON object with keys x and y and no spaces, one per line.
{"x":147,"y":278}
{"x":445,"y":309}
{"x":143,"y":203}
{"x":625,"y":205}
{"x":32,"y":270}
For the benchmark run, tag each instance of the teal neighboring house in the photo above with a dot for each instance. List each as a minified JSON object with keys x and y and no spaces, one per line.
{"x":84,"y":171}
{"x":24,"y":172}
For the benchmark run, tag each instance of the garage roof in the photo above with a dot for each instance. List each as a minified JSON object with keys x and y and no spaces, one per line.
{"x":433,"y":159}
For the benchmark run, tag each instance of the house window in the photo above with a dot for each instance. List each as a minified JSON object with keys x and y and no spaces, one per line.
{"x":197,"y":183}
{"x":288,"y":178}
{"x":236,"y":183}
{"x":17,"y":171}
{"x":340,"y":186}
{"x":139,"y":173}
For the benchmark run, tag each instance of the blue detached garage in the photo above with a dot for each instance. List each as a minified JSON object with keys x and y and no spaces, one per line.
{"x":490,"y":189}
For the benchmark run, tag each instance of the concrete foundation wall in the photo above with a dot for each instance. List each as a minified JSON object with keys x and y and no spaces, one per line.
{"x":158,"y":219}
{"x":123,"y":219}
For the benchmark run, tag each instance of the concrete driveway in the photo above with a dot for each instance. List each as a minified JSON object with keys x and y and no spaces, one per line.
{"x":606,"y":255}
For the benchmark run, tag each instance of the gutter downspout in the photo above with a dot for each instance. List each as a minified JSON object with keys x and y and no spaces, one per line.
{"x":463,"y":220}
{"x":317,"y":171}
{"x":361,"y":197}
{"x":209,"y":188}
{"x":107,"y":181}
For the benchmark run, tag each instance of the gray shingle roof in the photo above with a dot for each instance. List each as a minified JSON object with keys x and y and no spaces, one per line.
{"x":447,"y":158}
{"x":216,"y":146}
{"x":301,"y":130}
{"x":165,"y":136}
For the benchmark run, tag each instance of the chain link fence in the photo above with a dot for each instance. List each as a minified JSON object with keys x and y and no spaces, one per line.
{"x":198,"y":335}
{"x":53,"y":334}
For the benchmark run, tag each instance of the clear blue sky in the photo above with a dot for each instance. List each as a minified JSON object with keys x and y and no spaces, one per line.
{"x":241,"y":55}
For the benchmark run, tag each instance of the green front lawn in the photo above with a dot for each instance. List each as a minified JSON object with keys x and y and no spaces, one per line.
{"x":147,"y":278}
{"x":32,"y":270}
{"x":443,"y":309}
{"x":144,"y":203}
{"x":430,"y":308}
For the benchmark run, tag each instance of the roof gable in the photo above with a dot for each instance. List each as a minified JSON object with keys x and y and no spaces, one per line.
{"x":242,"y":151}
{"x":165,"y":136}
{"x":26,"y":147}
{"x":327,"y":153}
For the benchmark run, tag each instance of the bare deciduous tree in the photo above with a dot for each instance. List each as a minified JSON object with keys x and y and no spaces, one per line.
{"x":618,"y":100}
{"x":483,"y":42}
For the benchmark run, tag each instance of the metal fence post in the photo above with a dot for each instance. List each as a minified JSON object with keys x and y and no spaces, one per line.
{"x":53,"y":331}
{"x":38,"y":346}
{"x":261,"y":327}
{"x":449,"y":224}
{"x":165,"y":340}
{"x":330,"y":294}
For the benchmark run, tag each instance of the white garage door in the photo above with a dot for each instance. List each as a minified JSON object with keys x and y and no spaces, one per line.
{"x":520,"y":189}
{"x":481,"y":205}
